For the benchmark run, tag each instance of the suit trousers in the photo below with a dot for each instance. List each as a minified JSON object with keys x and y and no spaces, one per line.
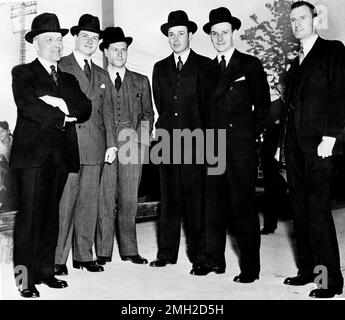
{"x":37,"y":221}
{"x":230,"y":201}
{"x":181,"y":196}
{"x":78,"y":215}
{"x":119,"y":202}
{"x":309,"y":179}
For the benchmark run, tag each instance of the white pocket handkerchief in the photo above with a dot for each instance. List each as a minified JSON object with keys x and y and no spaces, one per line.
{"x":103,"y":86}
{"x":240,"y":79}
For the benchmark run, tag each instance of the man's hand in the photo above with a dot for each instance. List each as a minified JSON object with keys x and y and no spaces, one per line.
{"x":277,"y":155}
{"x":325,"y":148}
{"x":56,"y":102}
{"x":110,"y":155}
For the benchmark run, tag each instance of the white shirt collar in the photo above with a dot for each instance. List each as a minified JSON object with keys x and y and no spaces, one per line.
{"x":227,"y":55}
{"x":184,"y":56}
{"x":112,"y":73}
{"x":80,"y":59}
{"x":46,"y":64}
{"x":308,"y":44}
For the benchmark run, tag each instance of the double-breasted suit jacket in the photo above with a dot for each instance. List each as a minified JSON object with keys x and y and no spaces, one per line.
{"x":44,"y":150}
{"x":238,"y":101}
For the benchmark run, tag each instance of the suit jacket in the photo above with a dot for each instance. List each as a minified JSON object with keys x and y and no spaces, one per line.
{"x":40,"y":126}
{"x":137,"y":97}
{"x":94,"y":135}
{"x":238,"y":101}
{"x":178,"y":102}
{"x":316,"y":91}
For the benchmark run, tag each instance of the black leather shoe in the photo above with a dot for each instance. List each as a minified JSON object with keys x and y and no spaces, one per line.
{"x":53,"y":283}
{"x":135,"y":259}
{"x":91,"y":266}
{"x":60,"y":270}
{"x":30,"y":292}
{"x":299,"y":280}
{"x":325,"y":293}
{"x":242,"y":278}
{"x":160,"y":263}
{"x":202,"y":270}
{"x":266,"y":230}
{"x":103,"y":260}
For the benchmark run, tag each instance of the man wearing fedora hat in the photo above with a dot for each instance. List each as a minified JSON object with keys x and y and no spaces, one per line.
{"x":79,"y":203}
{"x":132,"y":105}
{"x":44,"y":150}
{"x":237,"y":100}
{"x":177,"y":97}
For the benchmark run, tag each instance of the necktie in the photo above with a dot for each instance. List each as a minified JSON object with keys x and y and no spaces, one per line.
{"x":301,"y":55}
{"x":117,"y":81}
{"x":87,"y":69}
{"x":54,"y":74}
{"x":222,"y":64}
{"x":179,"y":64}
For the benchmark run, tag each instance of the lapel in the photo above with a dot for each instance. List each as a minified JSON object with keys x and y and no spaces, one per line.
{"x":172,"y":71}
{"x":131,"y":87}
{"x":45,"y":77}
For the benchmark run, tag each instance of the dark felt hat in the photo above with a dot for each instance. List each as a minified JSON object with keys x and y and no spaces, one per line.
{"x":221,"y":15}
{"x":112,"y":35}
{"x":178,"y":18}
{"x":87,"y":22}
{"x":45,"y":22}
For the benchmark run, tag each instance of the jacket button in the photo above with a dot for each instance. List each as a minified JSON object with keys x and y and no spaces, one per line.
{"x":230,"y":125}
{"x":98,"y":111}
{"x":176,"y":114}
{"x":175,"y":97}
{"x":79,"y":126}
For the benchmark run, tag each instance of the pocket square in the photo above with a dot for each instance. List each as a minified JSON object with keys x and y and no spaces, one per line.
{"x":139,"y":95}
{"x":103,"y":86}
{"x":240,"y":79}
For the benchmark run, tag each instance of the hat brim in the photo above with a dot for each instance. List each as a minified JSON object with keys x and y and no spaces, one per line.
{"x":235,"y":22}
{"x":106,"y":43}
{"x":76,"y":29}
{"x":192,"y":27}
{"x":29,"y":37}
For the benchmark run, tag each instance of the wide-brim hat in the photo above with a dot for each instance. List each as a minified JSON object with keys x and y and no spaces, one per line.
{"x":112,"y":35}
{"x":87,"y":22}
{"x":178,"y":18}
{"x":45,"y":22}
{"x":221,"y":15}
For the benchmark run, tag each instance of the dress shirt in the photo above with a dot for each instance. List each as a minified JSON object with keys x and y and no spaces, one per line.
{"x":308,"y":44}
{"x":46,"y":64}
{"x":227,"y":56}
{"x":112,"y":73}
{"x":80,"y":59}
{"x":184,"y":56}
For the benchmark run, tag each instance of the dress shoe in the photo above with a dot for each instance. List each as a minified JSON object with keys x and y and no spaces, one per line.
{"x":135,"y":259}
{"x":242,"y":278}
{"x":30,"y":292}
{"x":299,"y":280}
{"x":202,"y":270}
{"x":60,"y":270}
{"x":325,"y":293}
{"x":266,"y":230}
{"x":160,"y":263}
{"x":53,"y":283}
{"x":103,"y":260}
{"x":91,"y":266}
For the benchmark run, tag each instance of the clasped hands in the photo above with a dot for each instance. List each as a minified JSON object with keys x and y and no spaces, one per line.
{"x":58,"y":103}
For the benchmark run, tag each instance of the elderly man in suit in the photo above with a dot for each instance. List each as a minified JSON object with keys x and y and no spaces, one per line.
{"x":44,"y":150}
{"x":132,"y":107}
{"x":177,"y":97}
{"x":79,"y":203}
{"x":237,"y":100}
{"x":314,"y":119}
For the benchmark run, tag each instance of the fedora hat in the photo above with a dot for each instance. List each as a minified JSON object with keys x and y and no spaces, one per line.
{"x":45,"y":22}
{"x":112,"y":35}
{"x":87,"y":22}
{"x":221,"y":15}
{"x":178,"y":18}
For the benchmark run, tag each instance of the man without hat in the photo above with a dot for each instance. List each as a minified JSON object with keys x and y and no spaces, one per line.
{"x":44,"y":150}
{"x":177,"y":98}
{"x":237,"y":100}
{"x":132,"y":107}
{"x":79,"y":203}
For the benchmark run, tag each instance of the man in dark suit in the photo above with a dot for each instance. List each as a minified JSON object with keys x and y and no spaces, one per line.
{"x":132,"y":107}
{"x":237,"y":100}
{"x":44,"y":150}
{"x":79,"y":202}
{"x":177,"y":97}
{"x":315,"y":117}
